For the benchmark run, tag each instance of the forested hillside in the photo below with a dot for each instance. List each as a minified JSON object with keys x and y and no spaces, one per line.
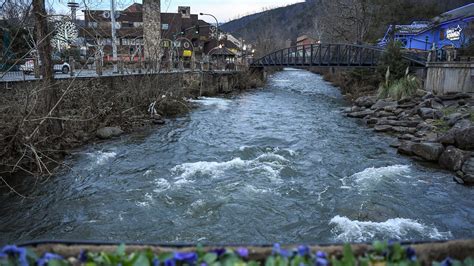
{"x":342,"y":20}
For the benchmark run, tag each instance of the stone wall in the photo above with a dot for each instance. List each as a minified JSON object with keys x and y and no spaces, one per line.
{"x":450,"y":77}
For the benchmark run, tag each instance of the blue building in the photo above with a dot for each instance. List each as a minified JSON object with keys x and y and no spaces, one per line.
{"x":453,"y":29}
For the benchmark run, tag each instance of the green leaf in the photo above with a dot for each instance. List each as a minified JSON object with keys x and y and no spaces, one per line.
{"x":210,"y":257}
{"x":364,"y":262}
{"x":469,"y":262}
{"x":348,"y":258}
{"x":379,"y":247}
{"x":120,"y":250}
{"x":57,"y":263}
{"x":142,"y":260}
{"x":270,"y":261}
{"x":398,"y":253}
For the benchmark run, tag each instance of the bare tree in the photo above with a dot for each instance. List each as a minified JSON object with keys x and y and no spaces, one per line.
{"x":348,"y":20}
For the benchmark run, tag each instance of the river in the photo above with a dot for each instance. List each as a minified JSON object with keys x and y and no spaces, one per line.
{"x":278,"y":164}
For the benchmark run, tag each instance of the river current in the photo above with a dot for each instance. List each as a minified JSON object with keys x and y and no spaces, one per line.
{"x":277,"y":164}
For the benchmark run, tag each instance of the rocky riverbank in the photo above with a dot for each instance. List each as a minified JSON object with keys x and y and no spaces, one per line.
{"x":437,"y":129}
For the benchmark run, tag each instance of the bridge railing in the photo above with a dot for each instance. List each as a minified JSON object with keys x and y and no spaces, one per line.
{"x":351,"y":55}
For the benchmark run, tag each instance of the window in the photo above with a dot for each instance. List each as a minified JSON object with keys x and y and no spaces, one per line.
{"x":137,"y":24}
{"x":92,"y":24}
{"x":165,"y":26}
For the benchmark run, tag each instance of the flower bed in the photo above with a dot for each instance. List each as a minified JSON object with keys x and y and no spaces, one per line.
{"x":379,"y":254}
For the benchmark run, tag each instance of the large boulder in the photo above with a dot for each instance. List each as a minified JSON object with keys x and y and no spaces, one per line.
{"x":453,"y":158}
{"x":381,"y":104}
{"x":428,"y":151}
{"x":108,"y":132}
{"x":366,"y":101}
{"x":449,"y":137}
{"x":405,"y":147}
{"x":429,"y":113}
{"x":468,"y":171}
{"x":464,"y":138}
{"x":361,"y":114}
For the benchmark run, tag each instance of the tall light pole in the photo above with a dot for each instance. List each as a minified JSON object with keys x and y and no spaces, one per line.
{"x":217,"y":23}
{"x":114,"y":37}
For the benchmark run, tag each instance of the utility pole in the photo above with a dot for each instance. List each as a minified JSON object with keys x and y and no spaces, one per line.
{"x":114,"y":37}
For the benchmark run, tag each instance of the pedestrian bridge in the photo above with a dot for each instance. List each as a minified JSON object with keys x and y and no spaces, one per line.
{"x":346,"y":55}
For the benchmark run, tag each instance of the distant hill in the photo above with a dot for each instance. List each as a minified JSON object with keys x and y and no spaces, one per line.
{"x":286,"y":23}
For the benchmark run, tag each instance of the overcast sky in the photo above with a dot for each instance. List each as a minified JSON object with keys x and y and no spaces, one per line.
{"x":224,"y":10}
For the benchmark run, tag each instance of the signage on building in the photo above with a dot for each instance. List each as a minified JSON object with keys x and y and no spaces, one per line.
{"x":454,"y":34}
{"x":187,"y":53}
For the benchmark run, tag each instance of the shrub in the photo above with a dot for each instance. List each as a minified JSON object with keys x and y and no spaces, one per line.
{"x":404,"y":87}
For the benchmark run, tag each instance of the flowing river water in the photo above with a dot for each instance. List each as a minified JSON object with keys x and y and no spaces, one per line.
{"x":278,"y":164}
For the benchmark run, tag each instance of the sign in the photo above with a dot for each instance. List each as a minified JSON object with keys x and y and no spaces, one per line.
{"x":165,"y":44}
{"x":454,"y":34}
{"x":187,"y":53}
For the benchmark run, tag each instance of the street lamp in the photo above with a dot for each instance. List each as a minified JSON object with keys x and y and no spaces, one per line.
{"x":217,"y":23}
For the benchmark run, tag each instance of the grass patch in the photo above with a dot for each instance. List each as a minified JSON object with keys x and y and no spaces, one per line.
{"x":401,"y":88}
{"x":449,"y":110}
{"x":441,"y":126}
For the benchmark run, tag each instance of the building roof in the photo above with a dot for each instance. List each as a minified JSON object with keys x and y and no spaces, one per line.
{"x":458,"y":13}
{"x":222,"y":52}
{"x":415,"y":27}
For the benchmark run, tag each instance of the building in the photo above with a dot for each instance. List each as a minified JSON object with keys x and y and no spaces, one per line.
{"x":174,"y":27}
{"x":305,"y":40}
{"x":452,"y":29}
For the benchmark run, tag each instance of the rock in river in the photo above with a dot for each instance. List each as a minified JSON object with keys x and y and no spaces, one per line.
{"x":465,"y":138}
{"x":453,"y":158}
{"x":109,"y":132}
{"x":361,"y":114}
{"x":468,"y":170}
{"x":428,"y":151}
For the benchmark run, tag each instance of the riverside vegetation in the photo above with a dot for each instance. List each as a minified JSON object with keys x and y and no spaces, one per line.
{"x":380,"y":254}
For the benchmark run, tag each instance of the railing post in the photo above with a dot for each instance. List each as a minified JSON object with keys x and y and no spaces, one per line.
{"x":312,"y":54}
{"x":72,"y":66}
{"x":304,"y":55}
{"x":349,"y":58}
{"x":288,"y":62}
{"x":320,"y":54}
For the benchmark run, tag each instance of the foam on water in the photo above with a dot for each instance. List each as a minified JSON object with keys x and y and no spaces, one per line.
{"x":213,"y":169}
{"x":348,"y":230}
{"x":377,"y":173}
{"x":220,"y":103}
{"x":268,"y":164}
{"x":161,"y":185}
{"x":102,"y":157}
{"x":370,"y":175}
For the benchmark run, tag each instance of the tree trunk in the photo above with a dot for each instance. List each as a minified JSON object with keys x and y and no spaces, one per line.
{"x":43,"y":38}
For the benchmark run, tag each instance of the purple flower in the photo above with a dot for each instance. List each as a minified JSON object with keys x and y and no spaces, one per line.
{"x":170,"y":262}
{"x":47,"y":257}
{"x":321,"y":262}
{"x":243,"y":252}
{"x":321,"y":254}
{"x":203,"y":264}
{"x":188,"y":257}
{"x":279,"y":251}
{"x":155,"y":262}
{"x":303,"y":250}
{"x":219,"y":251}
{"x":411,"y":253}
{"x":447,"y":262}
{"x":16,"y":251}
{"x":3,"y":255}
{"x":83,"y":256}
